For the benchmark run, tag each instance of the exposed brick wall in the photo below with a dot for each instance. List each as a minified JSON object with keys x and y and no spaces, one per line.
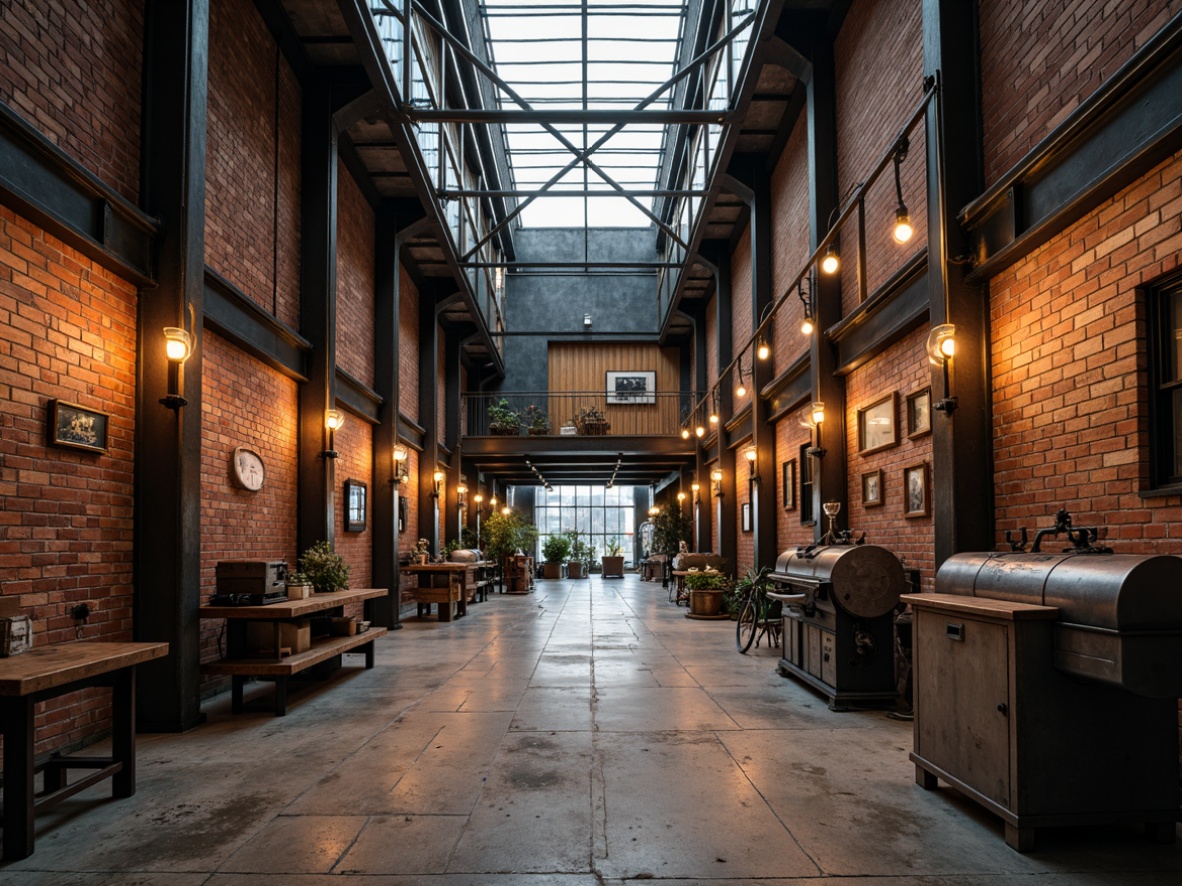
{"x":1069,"y":361}
{"x":73,"y":70}
{"x":355,"y":443}
{"x":903,"y":369}
{"x":711,"y":347}
{"x":744,"y":541}
{"x":441,"y":387}
{"x":408,"y":349}
{"x":263,"y":416}
{"x":252,"y":199}
{"x":1041,"y":58}
{"x":790,"y":245}
{"x":67,"y":331}
{"x":790,"y":436}
{"x":879,"y":58}
{"x":356,"y":266}
{"x":741,"y":324}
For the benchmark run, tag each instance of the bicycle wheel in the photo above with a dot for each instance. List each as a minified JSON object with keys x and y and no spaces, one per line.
{"x":747,"y":626}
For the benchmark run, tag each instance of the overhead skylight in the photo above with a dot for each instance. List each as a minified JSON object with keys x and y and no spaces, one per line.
{"x":589,"y":55}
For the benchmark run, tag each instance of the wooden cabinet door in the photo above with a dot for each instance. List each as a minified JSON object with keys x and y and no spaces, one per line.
{"x":962,"y":700}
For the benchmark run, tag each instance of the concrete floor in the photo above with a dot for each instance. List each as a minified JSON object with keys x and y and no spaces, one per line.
{"x":587,"y":733}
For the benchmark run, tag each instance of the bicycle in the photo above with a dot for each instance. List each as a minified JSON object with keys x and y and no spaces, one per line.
{"x":759,"y":615}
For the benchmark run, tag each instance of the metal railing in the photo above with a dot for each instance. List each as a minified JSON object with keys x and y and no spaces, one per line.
{"x":640,"y":413}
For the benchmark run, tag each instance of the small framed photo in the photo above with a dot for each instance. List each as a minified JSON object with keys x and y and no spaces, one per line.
{"x":788,"y":484}
{"x":632,"y":387}
{"x":75,"y":427}
{"x":746,"y":516}
{"x":355,"y":494}
{"x":872,"y":489}
{"x":917,"y":499}
{"x":919,"y":413}
{"x":876,"y":424}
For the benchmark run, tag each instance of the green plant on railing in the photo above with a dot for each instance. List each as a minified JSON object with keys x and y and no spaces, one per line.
{"x":536,"y":420}
{"x":328,"y":570}
{"x":503,"y":419}
{"x":556,"y":548}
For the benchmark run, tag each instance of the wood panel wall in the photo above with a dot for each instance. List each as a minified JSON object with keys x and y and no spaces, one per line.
{"x":578,"y":368}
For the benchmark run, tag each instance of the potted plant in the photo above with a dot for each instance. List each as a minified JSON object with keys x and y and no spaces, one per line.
{"x":555,"y":549}
{"x":613,"y":560}
{"x":327,"y":569}
{"x":503,"y":420}
{"x":422,"y":551}
{"x":536,"y":421}
{"x":576,"y":566}
{"x":592,"y":422}
{"x":503,"y":536}
{"x":299,"y":586}
{"x":706,"y":589}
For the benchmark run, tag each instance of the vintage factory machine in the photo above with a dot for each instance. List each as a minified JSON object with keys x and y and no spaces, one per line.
{"x":838,"y":636}
{"x":1047,"y":684}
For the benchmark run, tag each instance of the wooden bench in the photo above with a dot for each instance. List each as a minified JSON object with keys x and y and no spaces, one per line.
{"x":240,"y":665}
{"x":46,"y":672}
{"x":448,"y":586}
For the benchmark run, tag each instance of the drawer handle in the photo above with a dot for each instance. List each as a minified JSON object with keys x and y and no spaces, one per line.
{"x":1002,"y":708}
{"x":954,"y":631}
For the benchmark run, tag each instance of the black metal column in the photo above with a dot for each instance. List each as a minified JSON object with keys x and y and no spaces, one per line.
{"x":829,"y":471}
{"x":763,"y":434}
{"x":429,"y":504}
{"x":168,"y":441}
{"x":451,"y":422}
{"x":318,"y":297}
{"x":962,"y":454}
{"x":703,"y":522}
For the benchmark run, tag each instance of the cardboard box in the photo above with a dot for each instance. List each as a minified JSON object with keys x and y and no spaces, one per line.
{"x":294,"y":636}
{"x":16,"y":629}
{"x":343,"y":627}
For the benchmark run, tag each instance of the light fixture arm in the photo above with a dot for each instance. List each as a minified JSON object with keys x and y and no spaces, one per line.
{"x":901,"y":148}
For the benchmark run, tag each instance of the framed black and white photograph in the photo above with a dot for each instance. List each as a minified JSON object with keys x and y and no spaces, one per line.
{"x":746,"y":516}
{"x":355,"y":494}
{"x":632,"y":387}
{"x":919,"y":413}
{"x":916,"y":495}
{"x":788,"y":484}
{"x":76,"y":427}
{"x":872,"y":489}
{"x":876,"y":424}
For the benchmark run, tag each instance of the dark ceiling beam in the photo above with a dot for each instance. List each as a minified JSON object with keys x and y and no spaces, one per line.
{"x":448,"y":193}
{"x":564,"y":116}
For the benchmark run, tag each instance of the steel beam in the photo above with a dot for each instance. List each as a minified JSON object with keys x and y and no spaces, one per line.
{"x":568,"y":116}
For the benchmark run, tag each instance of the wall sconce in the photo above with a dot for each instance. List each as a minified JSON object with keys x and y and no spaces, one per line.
{"x":437,"y":477}
{"x":816,"y":419}
{"x":653,"y":511}
{"x":401,"y":464}
{"x":695,"y":487}
{"x":334,"y":419}
{"x":806,"y":325}
{"x":685,"y":433}
{"x":700,"y":431}
{"x":492,"y":503}
{"x":506,"y":511}
{"x":941,"y":348}
{"x":479,"y":500}
{"x":741,"y":389}
{"x":716,"y":477}
{"x":831,"y":261}
{"x":177,"y":346}
{"x":903,"y":229}
{"x":462,"y":496}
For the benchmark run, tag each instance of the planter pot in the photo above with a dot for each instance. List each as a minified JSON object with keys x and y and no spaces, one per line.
{"x":706,"y":602}
{"x":594,"y":428}
{"x":538,"y":432}
{"x":574,"y":569}
{"x":552,"y":570}
{"x":299,"y":592}
{"x":613,"y":567}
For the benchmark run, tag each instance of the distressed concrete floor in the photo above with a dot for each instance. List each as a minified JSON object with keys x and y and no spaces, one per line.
{"x":585,"y":734}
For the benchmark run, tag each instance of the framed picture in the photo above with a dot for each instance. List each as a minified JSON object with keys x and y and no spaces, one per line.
{"x":788,"y":483}
{"x":872,"y":489}
{"x":355,"y":492}
{"x":919,"y":413}
{"x":76,"y":427}
{"x":632,"y":387}
{"x":876,"y":424}
{"x":917,"y":499}
{"x":746,"y":516}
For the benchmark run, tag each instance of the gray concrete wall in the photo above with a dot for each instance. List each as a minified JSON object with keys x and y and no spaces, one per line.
{"x":541,"y":307}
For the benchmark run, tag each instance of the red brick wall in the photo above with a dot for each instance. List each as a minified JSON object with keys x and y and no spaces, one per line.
{"x":67,"y":331}
{"x":1041,"y":58}
{"x":1069,"y":362}
{"x":902,"y":370}
{"x":73,"y":70}
{"x":790,"y":436}
{"x":790,"y":244}
{"x":744,"y":541}
{"x":741,"y":325}
{"x":408,"y":350}
{"x":252,"y":200}
{"x":879,"y":58}
{"x":263,"y":416}
{"x":355,"y":443}
{"x":355,"y":279}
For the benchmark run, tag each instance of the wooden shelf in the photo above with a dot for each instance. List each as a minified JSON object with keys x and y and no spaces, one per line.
{"x":322,"y":648}
{"x":292,"y":608}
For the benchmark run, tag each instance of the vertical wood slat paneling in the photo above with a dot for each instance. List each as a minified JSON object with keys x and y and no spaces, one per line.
{"x":578,"y":367}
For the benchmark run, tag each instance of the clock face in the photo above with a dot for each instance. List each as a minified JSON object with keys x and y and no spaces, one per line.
{"x":248,"y":469}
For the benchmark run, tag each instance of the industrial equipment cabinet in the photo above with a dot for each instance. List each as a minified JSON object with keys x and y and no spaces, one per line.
{"x":1038,"y":748}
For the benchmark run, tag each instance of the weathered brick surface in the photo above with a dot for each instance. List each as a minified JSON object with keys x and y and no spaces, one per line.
{"x":741,"y":325}
{"x":67,"y":331}
{"x":72,"y":69}
{"x":355,"y":443}
{"x":790,"y":245}
{"x":879,"y":57}
{"x":408,"y":349}
{"x":1069,"y":363}
{"x":1040,"y":59}
{"x":903,"y":369}
{"x":355,"y":279}
{"x":252,"y":175}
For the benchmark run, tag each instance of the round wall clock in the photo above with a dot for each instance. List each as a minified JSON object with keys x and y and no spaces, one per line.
{"x":247,"y":469}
